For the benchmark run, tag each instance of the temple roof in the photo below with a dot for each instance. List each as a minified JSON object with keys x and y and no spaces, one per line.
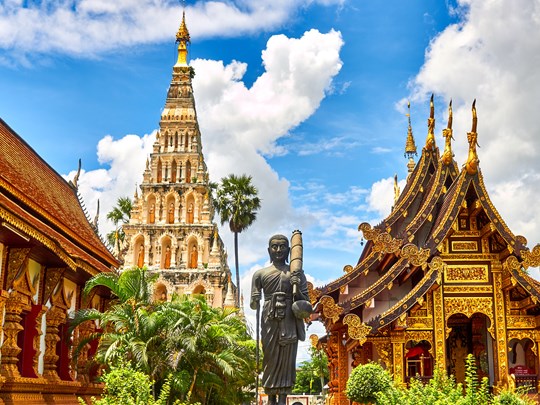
{"x":407,"y":243}
{"x":35,"y":193}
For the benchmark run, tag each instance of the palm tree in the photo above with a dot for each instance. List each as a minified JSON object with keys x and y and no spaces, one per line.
{"x":211,"y":351}
{"x":119,"y":215}
{"x":237,"y":203}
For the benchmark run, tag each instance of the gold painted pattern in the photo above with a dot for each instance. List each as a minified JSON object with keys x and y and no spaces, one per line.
{"x":384,"y":350}
{"x":418,"y":336}
{"x":469,"y":289}
{"x":419,"y":322}
{"x":440,"y":338}
{"x":469,"y":306}
{"x":501,"y":327}
{"x":466,"y":273}
{"x":531,"y":258}
{"x":520,"y":335}
{"x":464,"y":245}
{"x":521,"y":321}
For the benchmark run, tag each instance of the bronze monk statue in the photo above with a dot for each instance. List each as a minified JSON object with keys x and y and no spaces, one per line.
{"x":285,"y":306}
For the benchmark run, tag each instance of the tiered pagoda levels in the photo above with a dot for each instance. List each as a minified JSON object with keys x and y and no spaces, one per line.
{"x":171,"y":229}
{"x":442,"y":276}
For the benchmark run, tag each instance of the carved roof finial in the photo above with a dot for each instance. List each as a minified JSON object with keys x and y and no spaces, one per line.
{"x":471,"y":166}
{"x":447,"y":155}
{"x":75,"y":182}
{"x":96,"y":218}
{"x":182,"y":39}
{"x":430,"y":140}
{"x":396,"y":189}
{"x":410,"y":145}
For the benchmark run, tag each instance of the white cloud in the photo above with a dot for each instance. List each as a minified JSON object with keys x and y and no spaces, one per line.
{"x":238,"y":124}
{"x":493,"y":55}
{"x":89,"y":27}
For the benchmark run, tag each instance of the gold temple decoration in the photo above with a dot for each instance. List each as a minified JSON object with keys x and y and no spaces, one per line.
{"x":385,"y":243}
{"x":520,"y":335}
{"x":347,"y":269}
{"x":471,"y":166}
{"x":368,"y":232}
{"x":430,"y":140}
{"x":330,"y":310}
{"x":469,"y":306}
{"x":410,"y":146}
{"x":182,"y":38}
{"x":357,"y":329}
{"x":416,"y":257}
{"x":312,"y":292}
{"x":531,"y":258}
{"x":447,"y":155}
{"x":314,"y":339}
{"x":397,"y":191}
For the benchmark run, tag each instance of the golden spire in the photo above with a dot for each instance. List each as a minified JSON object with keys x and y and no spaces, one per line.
{"x":447,"y":155}
{"x":410,"y":146}
{"x":430,"y":140}
{"x":136,"y":196}
{"x":471,"y":166}
{"x":182,"y":39}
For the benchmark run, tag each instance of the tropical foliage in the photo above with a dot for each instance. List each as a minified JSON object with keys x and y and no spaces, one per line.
{"x":119,"y":215}
{"x":207,"y":353}
{"x":312,"y":374}
{"x":370,"y":385}
{"x":237,"y":203}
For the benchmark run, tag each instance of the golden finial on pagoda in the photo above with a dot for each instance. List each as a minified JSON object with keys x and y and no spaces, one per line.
{"x":410,"y":146}
{"x":447,"y":155}
{"x":430,"y":140}
{"x":471,"y":166}
{"x":182,"y":39}
{"x":136,"y":196}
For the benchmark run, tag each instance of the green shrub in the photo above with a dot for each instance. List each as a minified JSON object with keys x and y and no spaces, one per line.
{"x":509,"y":397}
{"x":366,"y":381}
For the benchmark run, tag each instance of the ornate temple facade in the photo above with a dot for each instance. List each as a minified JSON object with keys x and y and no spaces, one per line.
{"x":48,"y":250}
{"x":171,"y":229}
{"x":441,"y":277}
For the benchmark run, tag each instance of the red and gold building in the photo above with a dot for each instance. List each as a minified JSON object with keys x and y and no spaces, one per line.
{"x":48,"y":250}
{"x":441,"y":277}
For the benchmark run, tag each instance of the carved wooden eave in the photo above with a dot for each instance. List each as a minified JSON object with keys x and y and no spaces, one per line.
{"x":406,"y":303}
{"x":416,"y":185}
{"x":427,"y":213}
{"x":518,"y":271}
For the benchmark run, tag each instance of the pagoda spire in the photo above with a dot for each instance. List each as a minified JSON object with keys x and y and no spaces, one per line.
{"x":447,"y":155}
{"x":471,"y":166}
{"x":410,"y":146}
{"x":182,"y":39}
{"x":430,"y":140}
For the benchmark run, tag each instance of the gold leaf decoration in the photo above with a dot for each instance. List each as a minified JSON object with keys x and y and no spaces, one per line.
{"x":330,"y":309}
{"x":357,"y":330}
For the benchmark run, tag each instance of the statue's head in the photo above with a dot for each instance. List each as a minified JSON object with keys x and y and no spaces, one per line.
{"x":278,"y":249}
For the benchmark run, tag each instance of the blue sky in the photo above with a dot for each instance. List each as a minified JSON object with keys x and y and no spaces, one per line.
{"x":308,"y":96}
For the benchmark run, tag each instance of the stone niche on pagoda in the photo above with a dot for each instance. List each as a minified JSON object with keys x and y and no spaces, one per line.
{"x":171,"y":229}
{"x":441,"y":277}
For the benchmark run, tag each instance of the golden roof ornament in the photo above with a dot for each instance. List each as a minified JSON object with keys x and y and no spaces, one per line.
{"x":182,"y":39}
{"x":471,"y":166}
{"x":430,"y":140}
{"x":410,"y":146}
{"x":397,"y":191}
{"x":447,"y":155}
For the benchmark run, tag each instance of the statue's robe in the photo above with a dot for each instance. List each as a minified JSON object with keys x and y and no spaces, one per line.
{"x":279,"y":337}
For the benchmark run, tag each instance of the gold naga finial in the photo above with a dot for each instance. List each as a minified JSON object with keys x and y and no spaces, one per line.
{"x":471,"y":166}
{"x":182,"y":39}
{"x":447,"y":155}
{"x":430,"y":140}
{"x":410,"y":146}
{"x":396,"y":189}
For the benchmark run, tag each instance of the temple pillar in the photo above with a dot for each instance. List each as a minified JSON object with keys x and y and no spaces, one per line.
{"x":54,"y":318}
{"x":342,"y":371}
{"x":15,"y":305}
{"x":398,"y":345}
{"x":501,"y":375}
{"x":440,"y":329}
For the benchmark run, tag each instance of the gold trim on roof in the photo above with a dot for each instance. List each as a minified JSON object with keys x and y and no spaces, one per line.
{"x":430,"y":140}
{"x":357,"y":329}
{"x":448,"y":155}
{"x":471,"y":166}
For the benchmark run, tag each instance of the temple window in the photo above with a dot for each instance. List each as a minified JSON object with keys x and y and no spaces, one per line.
{"x":419,"y":361}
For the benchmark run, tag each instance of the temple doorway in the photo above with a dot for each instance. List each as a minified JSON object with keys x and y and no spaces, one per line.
{"x":419,"y":361}
{"x":469,"y":335}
